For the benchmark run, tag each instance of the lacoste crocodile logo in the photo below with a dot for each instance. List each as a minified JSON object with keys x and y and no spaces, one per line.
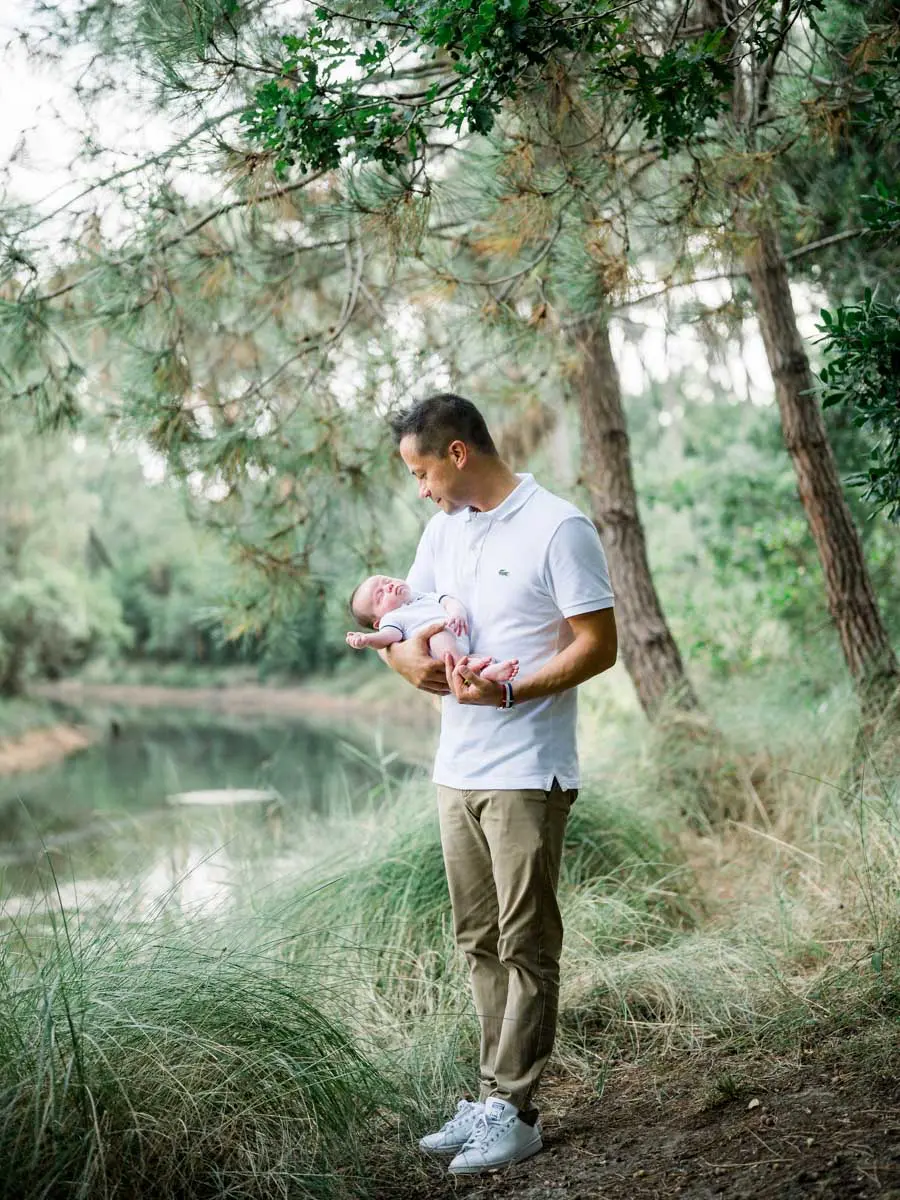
{"x":503,"y":571}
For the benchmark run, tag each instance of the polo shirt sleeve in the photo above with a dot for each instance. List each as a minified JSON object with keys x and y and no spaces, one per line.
{"x":576,"y":571}
{"x":421,"y":575}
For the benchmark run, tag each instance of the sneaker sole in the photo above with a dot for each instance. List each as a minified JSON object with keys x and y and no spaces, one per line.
{"x":442,"y":1152}
{"x":528,"y":1152}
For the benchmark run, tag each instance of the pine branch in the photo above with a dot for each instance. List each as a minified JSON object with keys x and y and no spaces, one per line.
{"x":153,"y":161}
{"x":801,"y":252}
{"x":833,"y":240}
{"x":347,"y":309}
{"x":125,"y":260}
{"x":516,"y":275}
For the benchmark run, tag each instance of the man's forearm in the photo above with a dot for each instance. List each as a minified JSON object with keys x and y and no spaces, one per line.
{"x":578,"y":662}
{"x":412,"y":661}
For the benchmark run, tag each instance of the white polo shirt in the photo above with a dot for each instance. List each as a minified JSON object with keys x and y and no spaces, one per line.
{"x":520,"y":569}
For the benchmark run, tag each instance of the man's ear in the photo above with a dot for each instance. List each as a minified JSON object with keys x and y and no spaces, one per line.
{"x":459,"y":453}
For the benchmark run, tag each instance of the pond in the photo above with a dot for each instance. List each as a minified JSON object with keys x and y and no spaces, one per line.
{"x":114,"y":821}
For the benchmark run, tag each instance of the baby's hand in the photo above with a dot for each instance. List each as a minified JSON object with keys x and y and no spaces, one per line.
{"x":359,"y":641}
{"x":458,"y":626}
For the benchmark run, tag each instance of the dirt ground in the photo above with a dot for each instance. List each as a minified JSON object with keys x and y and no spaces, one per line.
{"x":813,"y":1127}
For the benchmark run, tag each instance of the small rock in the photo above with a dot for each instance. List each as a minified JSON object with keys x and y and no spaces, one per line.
{"x":754,"y":1103}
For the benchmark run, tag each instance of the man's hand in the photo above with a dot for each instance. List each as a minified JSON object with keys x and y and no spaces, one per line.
{"x":468,"y":686}
{"x":412,"y":660}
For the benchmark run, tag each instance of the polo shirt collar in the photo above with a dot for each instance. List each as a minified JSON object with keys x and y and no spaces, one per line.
{"x":513,"y":502}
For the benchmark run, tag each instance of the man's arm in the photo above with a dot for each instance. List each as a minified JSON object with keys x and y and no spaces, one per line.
{"x":593,"y":650}
{"x":412,"y":659}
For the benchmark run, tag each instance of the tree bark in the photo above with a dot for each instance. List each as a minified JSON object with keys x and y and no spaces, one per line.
{"x":851,"y":597}
{"x":649,"y":651}
{"x":11,"y":670}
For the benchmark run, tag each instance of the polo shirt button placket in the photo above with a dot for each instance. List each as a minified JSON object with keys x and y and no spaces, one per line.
{"x":478,"y":549}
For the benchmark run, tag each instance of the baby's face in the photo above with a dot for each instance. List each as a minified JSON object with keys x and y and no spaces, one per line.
{"x":381,"y":594}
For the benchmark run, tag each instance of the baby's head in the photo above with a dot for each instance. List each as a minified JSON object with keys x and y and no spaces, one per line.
{"x":377,"y":596}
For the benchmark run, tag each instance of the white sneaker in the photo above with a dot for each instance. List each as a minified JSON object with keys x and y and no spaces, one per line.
{"x":453,"y":1135}
{"x":498,"y":1139}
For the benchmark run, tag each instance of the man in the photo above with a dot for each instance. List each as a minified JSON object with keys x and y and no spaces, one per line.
{"x":530,"y":569}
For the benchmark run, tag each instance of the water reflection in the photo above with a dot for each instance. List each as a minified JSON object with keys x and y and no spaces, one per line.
{"x":97,"y":829}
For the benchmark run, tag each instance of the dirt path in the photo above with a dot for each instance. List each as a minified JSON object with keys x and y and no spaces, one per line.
{"x":826,"y":1127}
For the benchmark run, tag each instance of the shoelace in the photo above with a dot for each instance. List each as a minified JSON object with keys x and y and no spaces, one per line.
{"x":484,"y":1132}
{"x":462,"y":1112}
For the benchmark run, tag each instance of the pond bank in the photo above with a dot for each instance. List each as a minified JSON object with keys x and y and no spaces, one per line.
{"x":409,"y":722}
{"x":39,"y":748}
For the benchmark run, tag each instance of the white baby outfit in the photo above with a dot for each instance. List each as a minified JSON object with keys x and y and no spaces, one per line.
{"x":424,"y":609}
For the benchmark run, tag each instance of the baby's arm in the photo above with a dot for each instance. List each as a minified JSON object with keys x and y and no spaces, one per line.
{"x":375,"y":641}
{"x":458,"y":622}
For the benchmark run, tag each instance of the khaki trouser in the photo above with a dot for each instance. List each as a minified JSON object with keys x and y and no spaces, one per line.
{"x":502,"y":852}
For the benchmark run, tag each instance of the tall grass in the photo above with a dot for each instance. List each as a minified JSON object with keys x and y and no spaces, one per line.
{"x":267,"y":1054}
{"x":142,"y":1060}
{"x":378,"y":930}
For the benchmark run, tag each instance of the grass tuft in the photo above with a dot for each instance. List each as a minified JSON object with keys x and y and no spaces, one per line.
{"x":135,"y":1064}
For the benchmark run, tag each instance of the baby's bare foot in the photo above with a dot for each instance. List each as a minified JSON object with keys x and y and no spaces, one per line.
{"x":477,"y":663}
{"x":501,"y":672}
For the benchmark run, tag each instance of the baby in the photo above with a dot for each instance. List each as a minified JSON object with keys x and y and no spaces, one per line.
{"x":396,"y":612}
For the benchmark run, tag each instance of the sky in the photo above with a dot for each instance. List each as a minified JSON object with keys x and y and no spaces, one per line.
{"x":39,"y":129}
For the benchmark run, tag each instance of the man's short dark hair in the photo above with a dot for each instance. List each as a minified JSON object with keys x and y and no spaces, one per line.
{"x":437,"y":421}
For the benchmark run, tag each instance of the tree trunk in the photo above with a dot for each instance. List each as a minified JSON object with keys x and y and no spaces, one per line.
{"x":12,"y":667}
{"x":649,"y":651}
{"x":851,"y":598}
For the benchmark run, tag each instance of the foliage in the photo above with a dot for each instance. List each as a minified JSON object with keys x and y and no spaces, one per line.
{"x":477,"y":55}
{"x":862,"y":342}
{"x":56,"y":609}
{"x":51,"y":621}
{"x":730,"y":548}
{"x":341,"y":249}
{"x":676,"y":95}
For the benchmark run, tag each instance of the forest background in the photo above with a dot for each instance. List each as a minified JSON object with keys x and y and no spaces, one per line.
{"x":656,"y":243}
{"x":238,"y":365}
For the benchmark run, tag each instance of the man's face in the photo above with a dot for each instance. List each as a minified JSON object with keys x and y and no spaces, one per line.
{"x":381,"y":594}
{"x":439,"y":476}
